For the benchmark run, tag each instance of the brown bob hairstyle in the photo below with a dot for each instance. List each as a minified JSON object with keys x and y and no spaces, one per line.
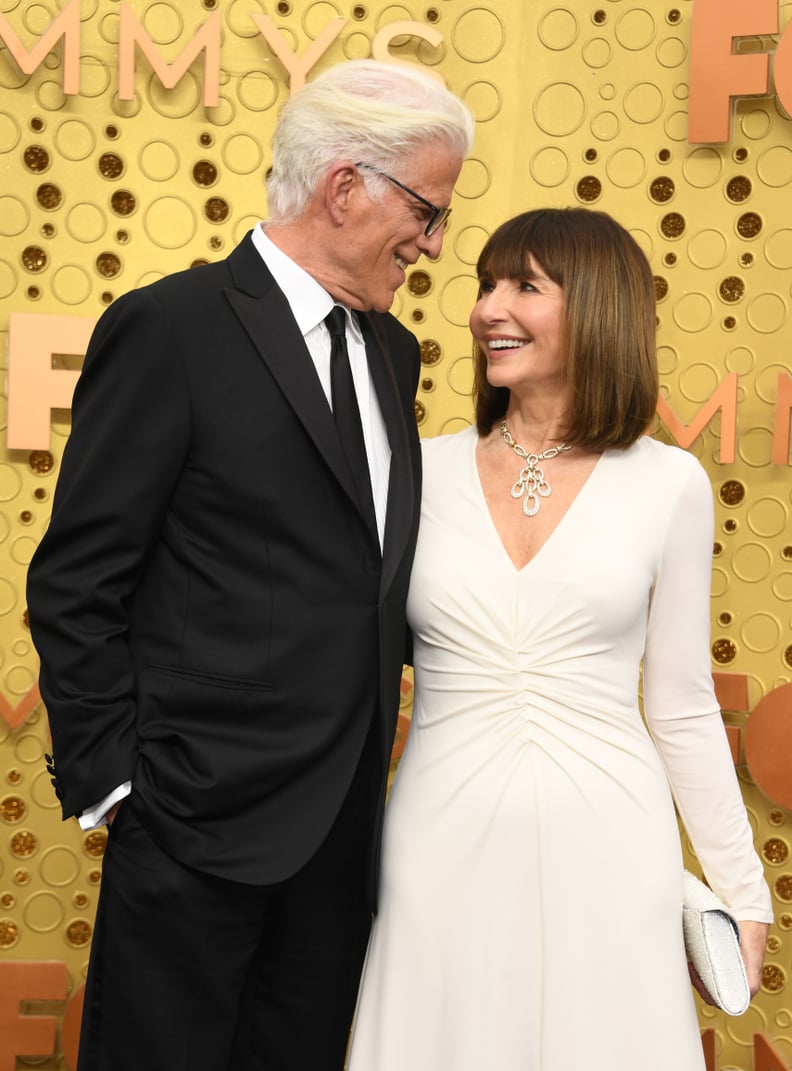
{"x":608,"y":321}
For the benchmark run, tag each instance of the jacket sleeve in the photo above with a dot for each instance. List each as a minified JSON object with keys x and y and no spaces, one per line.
{"x":129,"y":438}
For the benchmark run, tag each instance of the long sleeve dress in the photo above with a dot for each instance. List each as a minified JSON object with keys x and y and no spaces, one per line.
{"x":530,"y":912}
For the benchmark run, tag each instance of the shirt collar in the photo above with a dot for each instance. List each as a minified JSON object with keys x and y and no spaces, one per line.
{"x":308,"y":300}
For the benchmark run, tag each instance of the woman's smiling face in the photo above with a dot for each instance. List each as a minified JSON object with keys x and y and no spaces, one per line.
{"x":518,"y":323}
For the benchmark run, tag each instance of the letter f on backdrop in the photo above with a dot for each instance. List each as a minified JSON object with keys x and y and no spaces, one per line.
{"x":716,"y":73}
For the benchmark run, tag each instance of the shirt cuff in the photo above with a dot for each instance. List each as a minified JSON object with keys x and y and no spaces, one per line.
{"x":96,"y":815}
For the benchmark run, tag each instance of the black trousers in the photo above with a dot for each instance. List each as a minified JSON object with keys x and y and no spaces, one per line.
{"x":189,"y":972}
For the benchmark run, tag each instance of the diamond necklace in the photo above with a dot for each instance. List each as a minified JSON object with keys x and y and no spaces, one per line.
{"x":531,"y":482}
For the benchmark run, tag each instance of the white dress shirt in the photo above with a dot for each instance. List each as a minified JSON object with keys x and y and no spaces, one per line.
{"x":310,"y":303}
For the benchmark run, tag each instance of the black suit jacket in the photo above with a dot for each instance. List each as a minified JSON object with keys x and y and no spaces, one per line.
{"x":214,"y":618}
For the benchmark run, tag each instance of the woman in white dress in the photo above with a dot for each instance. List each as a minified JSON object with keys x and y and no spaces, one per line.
{"x":530,"y":912}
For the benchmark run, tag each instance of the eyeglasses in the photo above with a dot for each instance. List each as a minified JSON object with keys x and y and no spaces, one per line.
{"x":438,"y":217}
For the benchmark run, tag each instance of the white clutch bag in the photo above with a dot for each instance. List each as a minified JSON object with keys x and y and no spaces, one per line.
{"x":712,"y":945}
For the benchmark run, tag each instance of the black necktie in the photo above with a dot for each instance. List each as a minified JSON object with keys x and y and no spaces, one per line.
{"x":345,"y":408}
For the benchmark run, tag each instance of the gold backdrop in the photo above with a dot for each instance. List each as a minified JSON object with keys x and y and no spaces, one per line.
{"x":576,"y":103}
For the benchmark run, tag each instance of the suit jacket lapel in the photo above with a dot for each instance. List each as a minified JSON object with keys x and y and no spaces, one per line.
{"x":268,"y":320}
{"x":265,"y":314}
{"x":399,"y":515}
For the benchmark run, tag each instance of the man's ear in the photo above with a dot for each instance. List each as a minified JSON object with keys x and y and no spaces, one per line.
{"x":341,"y":183}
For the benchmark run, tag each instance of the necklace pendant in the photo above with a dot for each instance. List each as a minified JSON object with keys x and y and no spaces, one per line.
{"x":531,"y":482}
{"x":531,"y":505}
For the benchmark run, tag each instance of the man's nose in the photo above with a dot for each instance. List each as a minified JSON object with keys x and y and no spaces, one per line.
{"x":432,"y":245}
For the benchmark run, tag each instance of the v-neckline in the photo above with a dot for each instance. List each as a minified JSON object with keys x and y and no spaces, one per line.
{"x":518,"y":570}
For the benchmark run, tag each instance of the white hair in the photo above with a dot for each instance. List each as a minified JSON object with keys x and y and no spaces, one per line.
{"x":363,"y":110}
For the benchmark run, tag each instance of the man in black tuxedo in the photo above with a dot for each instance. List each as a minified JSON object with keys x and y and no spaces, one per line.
{"x":219,"y":599}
